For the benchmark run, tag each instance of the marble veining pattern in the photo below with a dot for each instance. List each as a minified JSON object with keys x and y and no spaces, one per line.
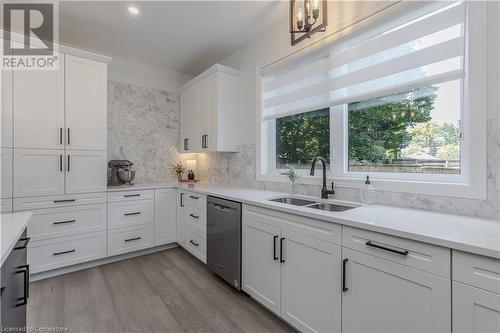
{"x":146,"y":123}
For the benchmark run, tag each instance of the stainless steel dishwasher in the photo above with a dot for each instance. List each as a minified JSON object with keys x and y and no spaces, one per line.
{"x":224,"y":239}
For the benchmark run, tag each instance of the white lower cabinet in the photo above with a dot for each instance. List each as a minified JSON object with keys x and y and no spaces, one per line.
{"x":310,"y":283}
{"x":65,"y":251}
{"x":180,"y":218}
{"x":384,"y":296}
{"x":165,"y":216}
{"x":191,"y":226}
{"x":261,"y":268}
{"x":475,"y":310}
{"x":296,"y":276}
{"x":130,"y":239}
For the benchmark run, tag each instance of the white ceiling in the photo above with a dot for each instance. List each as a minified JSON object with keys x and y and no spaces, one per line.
{"x":184,"y":36}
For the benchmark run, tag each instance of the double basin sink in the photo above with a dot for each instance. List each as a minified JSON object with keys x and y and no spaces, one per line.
{"x":330,"y":207}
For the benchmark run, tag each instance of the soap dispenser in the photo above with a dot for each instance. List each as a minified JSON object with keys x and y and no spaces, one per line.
{"x":367,"y":195}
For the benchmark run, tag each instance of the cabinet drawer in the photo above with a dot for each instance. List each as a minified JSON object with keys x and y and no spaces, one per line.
{"x":67,"y":221}
{"x":478,"y":271}
{"x":426,"y":257}
{"x":55,"y":253}
{"x":130,"y":195}
{"x":133,"y":213}
{"x":196,"y":217}
{"x":55,"y":201}
{"x":5,"y":205}
{"x":195,"y":243}
{"x":130,"y":239}
{"x":195,"y":200}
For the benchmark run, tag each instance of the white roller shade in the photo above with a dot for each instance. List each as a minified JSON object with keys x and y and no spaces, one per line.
{"x":424,"y":51}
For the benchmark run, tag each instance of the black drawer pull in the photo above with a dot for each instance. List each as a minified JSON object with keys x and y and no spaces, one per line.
{"x":60,"y":135}
{"x":25,"y":273}
{"x":131,"y":195}
{"x":194,"y":216}
{"x":403,"y":253}
{"x":275,"y":256}
{"x":132,"y":239}
{"x":182,"y":199}
{"x":65,"y":200}
{"x":60,"y":163}
{"x":281,"y":250}
{"x":69,"y":137}
{"x":134,"y":213}
{"x":344,"y":287}
{"x":194,"y":243}
{"x":64,"y":252}
{"x":26,"y":240}
{"x":64,"y":222}
{"x":193,"y":197}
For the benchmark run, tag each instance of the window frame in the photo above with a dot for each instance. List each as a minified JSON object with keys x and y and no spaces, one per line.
{"x":471,"y":183}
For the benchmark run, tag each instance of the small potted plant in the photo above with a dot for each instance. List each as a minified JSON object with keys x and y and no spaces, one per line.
{"x":178,"y":169}
{"x":292,"y":175}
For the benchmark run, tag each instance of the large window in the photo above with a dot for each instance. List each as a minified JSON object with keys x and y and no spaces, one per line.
{"x":403,"y":103}
{"x":417,"y":131}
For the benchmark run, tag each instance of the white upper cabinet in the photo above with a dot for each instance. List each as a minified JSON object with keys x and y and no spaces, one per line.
{"x":38,"y":108}
{"x":209,"y":107}
{"x":86,"y":99}
{"x":86,"y":171}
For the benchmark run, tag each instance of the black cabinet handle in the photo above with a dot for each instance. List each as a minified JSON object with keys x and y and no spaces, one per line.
{"x":194,"y":243}
{"x":60,"y":163}
{"x":26,"y":240}
{"x":65,"y":200}
{"x":204,"y":141}
{"x":64,"y":252}
{"x":132,"y":239}
{"x":69,"y":161}
{"x":194,"y":216}
{"x":26,"y":292}
{"x":194,"y":197}
{"x":26,"y":280}
{"x":64,"y":222}
{"x":69,"y":137}
{"x":275,"y":256}
{"x":131,"y":195}
{"x":281,"y":250}
{"x":182,"y":199}
{"x":403,"y":253}
{"x":186,"y":144}
{"x":60,"y":135}
{"x":134,"y":213}
{"x":344,"y":263}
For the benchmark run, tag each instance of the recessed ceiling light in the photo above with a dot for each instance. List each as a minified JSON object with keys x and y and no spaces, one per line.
{"x":133,"y":10}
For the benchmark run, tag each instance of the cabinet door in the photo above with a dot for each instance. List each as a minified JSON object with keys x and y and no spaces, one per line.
{"x":180,"y":221}
{"x":261,"y":266}
{"x":165,"y":216}
{"x":6,"y":172}
{"x":310,"y":283}
{"x":475,"y":310}
{"x":85,"y":104}
{"x":383,"y":296}
{"x":188,"y":120}
{"x":206,"y":110}
{"x":38,"y":98}
{"x":6,"y":107}
{"x":38,"y":172}
{"x":85,"y":171}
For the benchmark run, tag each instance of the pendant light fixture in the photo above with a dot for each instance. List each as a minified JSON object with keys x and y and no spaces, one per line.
{"x":306,"y":18}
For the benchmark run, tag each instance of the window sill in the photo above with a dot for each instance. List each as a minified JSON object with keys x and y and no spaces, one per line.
{"x":455,"y":190}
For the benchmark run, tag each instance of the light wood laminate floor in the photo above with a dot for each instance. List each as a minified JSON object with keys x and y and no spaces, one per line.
{"x":168,"y":291}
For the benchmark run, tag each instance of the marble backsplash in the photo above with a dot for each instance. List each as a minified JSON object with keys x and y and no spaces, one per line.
{"x":239,"y":169}
{"x":145,"y":122}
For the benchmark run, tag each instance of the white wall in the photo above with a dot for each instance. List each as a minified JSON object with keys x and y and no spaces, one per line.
{"x":144,"y":75}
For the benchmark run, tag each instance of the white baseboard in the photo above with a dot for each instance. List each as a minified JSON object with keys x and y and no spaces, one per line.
{"x":99,"y":262}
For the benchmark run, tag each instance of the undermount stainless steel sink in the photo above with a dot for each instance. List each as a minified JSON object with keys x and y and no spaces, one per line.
{"x":311,"y":204}
{"x":293,"y":201}
{"x":330,"y":207}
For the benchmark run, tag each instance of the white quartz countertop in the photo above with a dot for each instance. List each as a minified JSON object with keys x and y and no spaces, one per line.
{"x":11,"y":228}
{"x":464,"y":233}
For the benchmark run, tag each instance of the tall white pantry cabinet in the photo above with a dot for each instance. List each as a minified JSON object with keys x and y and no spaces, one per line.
{"x":54,"y":157}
